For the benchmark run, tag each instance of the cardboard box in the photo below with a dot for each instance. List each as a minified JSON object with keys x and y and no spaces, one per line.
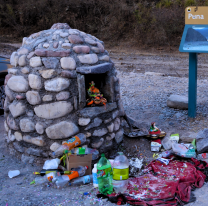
{"x":74,"y":161}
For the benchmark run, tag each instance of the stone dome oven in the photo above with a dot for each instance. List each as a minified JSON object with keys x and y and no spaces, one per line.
{"x":46,"y":93}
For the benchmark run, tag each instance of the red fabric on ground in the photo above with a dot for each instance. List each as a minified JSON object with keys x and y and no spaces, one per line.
{"x":161,"y":186}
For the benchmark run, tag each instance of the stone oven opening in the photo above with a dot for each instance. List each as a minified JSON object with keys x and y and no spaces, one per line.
{"x":99,"y":81}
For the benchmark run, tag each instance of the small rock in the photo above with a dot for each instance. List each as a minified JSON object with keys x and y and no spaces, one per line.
{"x":100,"y":132}
{"x":107,"y":120}
{"x":18,"y":136}
{"x":83,"y":121}
{"x":117,"y":124}
{"x":35,"y":62}
{"x":75,"y":39}
{"x":88,"y":58}
{"x":177,"y":102}
{"x":119,"y":136}
{"x":33,"y":97}
{"x":18,"y":84}
{"x":81,"y":49}
{"x":66,"y":45}
{"x":46,"y":74}
{"x":88,"y":134}
{"x":96,"y":123}
{"x":25,"y":70}
{"x":110,"y":127}
{"x":26,"y":125}
{"x":104,"y":58}
{"x":62,"y":96}
{"x":17,"y":108}
{"x":68,"y":63}
{"x":188,"y":136}
{"x":12,"y":71}
{"x":34,"y":81}
{"x":57,"y":85}
{"x":54,"y":146}
{"x":39,"y":128}
{"x":22,"y":60}
{"x":47,"y":98}
{"x":27,"y":159}
{"x":110,"y":136}
{"x":98,"y":144}
{"x":115,"y":114}
{"x":50,"y":62}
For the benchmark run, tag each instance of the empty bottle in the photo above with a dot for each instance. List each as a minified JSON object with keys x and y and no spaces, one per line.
{"x":44,"y":172}
{"x":62,"y":180}
{"x":94,"y":175}
{"x":120,"y":173}
{"x":104,"y":176}
{"x":83,"y":150}
{"x":81,"y":180}
{"x":44,"y":179}
{"x":70,"y":144}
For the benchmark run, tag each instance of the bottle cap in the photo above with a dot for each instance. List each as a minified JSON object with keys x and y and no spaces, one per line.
{"x":87,"y":167}
{"x":102,"y":155}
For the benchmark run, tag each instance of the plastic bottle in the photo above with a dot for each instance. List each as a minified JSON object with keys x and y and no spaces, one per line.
{"x":44,"y":172}
{"x":104,"y":176}
{"x":120,"y":173}
{"x":94,"y":174}
{"x":43,"y":179}
{"x":82,"y":150}
{"x":81,"y":180}
{"x":70,"y":144}
{"x":62,"y":180}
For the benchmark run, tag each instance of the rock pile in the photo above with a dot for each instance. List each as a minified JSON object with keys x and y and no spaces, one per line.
{"x":46,"y":94}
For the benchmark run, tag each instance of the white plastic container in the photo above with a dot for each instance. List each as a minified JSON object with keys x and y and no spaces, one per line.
{"x":166,"y":143}
{"x":51,"y":164}
{"x":94,"y":175}
{"x":13,"y":173}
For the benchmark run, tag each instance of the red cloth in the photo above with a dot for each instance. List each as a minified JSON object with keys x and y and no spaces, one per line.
{"x":166,"y":184}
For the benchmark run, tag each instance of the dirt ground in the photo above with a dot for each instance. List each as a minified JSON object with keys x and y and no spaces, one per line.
{"x":144,"y":98}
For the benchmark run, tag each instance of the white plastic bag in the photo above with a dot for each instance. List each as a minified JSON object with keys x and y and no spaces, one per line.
{"x":179,"y":148}
{"x":51,"y":164}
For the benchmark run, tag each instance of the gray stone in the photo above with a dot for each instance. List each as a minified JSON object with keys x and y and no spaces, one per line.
{"x":22,"y":60}
{"x":35,"y":62}
{"x":96,"y":111}
{"x":117,"y":124}
{"x":17,"y":108}
{"x":18,"y":84}
{"x":32,"y":151}
{"x":81,"y":89}
{"x":27,"y":159}
{"x":47,"y":98}
{"x":23,"y":51}
{"x":104,"y":58}
{"x":110,"y":127}
{"x":97,"y":69}
{"x":62,"y":130}
{"x":46,"y":74}
{"x":88,"y":134}
{"x":66,"y":45}
{"x":119,"y":136}
{"x":12,"y":123}
{"x":107,"y":120}
{"x":121,"y":108}
{"x":88,"y":58}
{"x":30,"y":113}
{"x":188,"y":136}
{"x":96,"y":50}
{"x":50,"y":62}
{"x":53,"y":110}
{"x":64,"y":34}
{"x":75,"y":103}
{"x":11,"y":136}
{"x":97,"y":144}
{"x":25,"y":70}
{"x":57,"y":85}
{"x":26,"y":125}
{"x":12,"y":71}
{"x":6,"y":127}
{"x":34,"y":81}
{"x":34,"y":140}
{"x":54,"y":146}
{"x":115,"y":114}
{"x":68,"y":63}
{"x":108,"y":144}
{"x":46,"y":45}
{"x":14,"y":59}
{"x":62,"y":96}
{"x":100,"y":132}
{"x":83,"y":121}
{"x":18,"y":147}
{"x":110,"y":136}
{"x":30,"y":55}
{"x":202,"y":145}
{"x":39,"y":128}
{"x":18,"y":136}
{"x":203,"y":134}
{"x":9,"y":94}
{"x":69,"y":74}
{"x":96,"y":123}
{"x":177,"y":102}
{"x":33,"y":97}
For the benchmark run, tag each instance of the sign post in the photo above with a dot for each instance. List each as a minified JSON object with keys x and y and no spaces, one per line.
{"x":194,"y":41}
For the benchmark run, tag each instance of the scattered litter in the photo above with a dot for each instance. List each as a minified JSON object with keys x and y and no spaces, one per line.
{"x":13,"y":173}
{"x":51,"y":164}
{"x":174,"y":138}
{"x":166,"y":143}
{"x":155,"y":145}
{"x":163,"y":160}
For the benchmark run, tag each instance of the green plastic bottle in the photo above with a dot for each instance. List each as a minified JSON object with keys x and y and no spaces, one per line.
{"x":104,"y":176}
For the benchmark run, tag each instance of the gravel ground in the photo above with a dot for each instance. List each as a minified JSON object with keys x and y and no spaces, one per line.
{"x":145,"y":99}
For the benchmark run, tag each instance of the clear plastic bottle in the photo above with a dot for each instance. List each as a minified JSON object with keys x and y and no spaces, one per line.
{"x":104,"y":176}
{"x":120,"y":173}
{"x":62,"y":180}
{"x":81,"y":180}
{"x":70,"y":144}
{"x":94,"y":152}
{"x":94,"y":174}
{"x":43,"y":179}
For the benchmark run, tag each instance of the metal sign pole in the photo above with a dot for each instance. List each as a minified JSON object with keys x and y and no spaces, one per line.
{"x":192,"y":95}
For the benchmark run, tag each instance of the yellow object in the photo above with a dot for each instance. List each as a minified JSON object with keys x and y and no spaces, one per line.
{"x":120,"y":174}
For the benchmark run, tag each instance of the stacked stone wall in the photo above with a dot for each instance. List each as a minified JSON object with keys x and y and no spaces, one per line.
{"x":46,"y":95}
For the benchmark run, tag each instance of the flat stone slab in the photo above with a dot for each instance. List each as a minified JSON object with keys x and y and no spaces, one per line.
{"x":96,"y":111}
{"x":97,"y":69}
{"x":177,"y":102}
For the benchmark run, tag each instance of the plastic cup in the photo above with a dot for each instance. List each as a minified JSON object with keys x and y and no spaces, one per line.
{"x":13,"y":173}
